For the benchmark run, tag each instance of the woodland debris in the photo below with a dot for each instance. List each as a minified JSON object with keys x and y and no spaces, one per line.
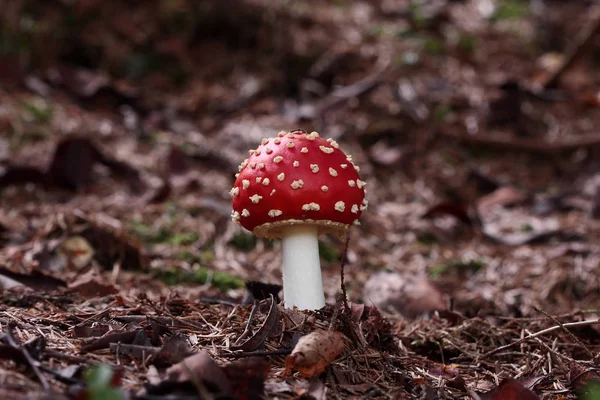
{"x":314,"y":352}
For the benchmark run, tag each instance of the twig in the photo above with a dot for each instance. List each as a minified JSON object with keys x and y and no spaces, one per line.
{"x":568,"y":332}
{"x":525,"y":144}
{"x":342,"y":265}
{"x":32,"y":363}
{"x":247,"y":329}
{"x":542,"y":332}
{"x":576,"y":51}
{"x":260,"y":353}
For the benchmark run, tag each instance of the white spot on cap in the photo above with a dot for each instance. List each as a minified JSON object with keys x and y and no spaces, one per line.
{"x":312,"y":136}
{"x":245,"y":213}
{"x":296,"y":164}
{"x":344,"y":166}
{"x":268,"y":150}
{"x":255,"y":199}
{"x":297,"y":184}
{"x":281,"y":177}
{"x":251,"y":152}
{"x":351,"y":183}
{"x":290,"y":144}
{"x":272,"y":192}
{"x":355,"y":222}
{"x":354,"y":208}
{"x":311,"y":207}
{"x":278,"y":159}
{"x":324,"y":188}
{"x":234,"y":191}
{"x":281,"y":134}
{"x":258,"y":179}
{"x":326,"y":150}
{"x":243,"y":165}
{"x":237,"y":175}
{"x":349,"y":157}
{"x":257,"y":152}
{"x":360,"y":183}
{"x":357,"y":168}
{"x":304,"y":150}
{"x":332,"y":172}
{"x":235,"y":216}
{"x":275,"y":213}
{"x":252,"y":165}
{"x":266,"y":181}
{"x":314,"y":168}
{"x":333,"y":143}
{"x":340,"y":206}
{"x":264,"y":141}
{"x":245,"y":184}
{"x":276,"y":140}
{"x":261,"y":165}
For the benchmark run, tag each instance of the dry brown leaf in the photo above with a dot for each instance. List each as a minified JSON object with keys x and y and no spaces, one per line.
{"x":92,"y":284}
{"x":408,"y":295}
{"x":504,"y":196}
{"x":314,"y":352}
{"x":510,"y":389}
{"x":199,"y":366}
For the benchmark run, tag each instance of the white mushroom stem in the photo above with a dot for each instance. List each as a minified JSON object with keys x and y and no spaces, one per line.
{"x":302,"y":282}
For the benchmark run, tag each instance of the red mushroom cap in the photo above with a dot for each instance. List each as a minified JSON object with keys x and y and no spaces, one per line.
{"x":297,"y":178}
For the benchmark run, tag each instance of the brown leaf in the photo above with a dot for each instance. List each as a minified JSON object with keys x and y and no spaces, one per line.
{"x":104,"y":342}
{"x":510,"y":389}
{"x":92,"y":284}
{"x":458,"y":211}
{"x":503,"y":196}
{"x":269,"y":324}
{"x":314,"y":352}
{"x":256,"y":290}
{"x":407,"y":295}
{"x":247,"y":377}
{"x":35,"y":280}
{"x":175,"y":350}
{"x":21,"y":175}
{"x":73,"y":163}
{"x":202,"y":367}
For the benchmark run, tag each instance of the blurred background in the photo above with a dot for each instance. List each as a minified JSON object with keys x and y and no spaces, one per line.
{"x":474,"y":122}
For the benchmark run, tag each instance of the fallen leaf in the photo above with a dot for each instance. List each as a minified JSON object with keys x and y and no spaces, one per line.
{"x":269,"y":324}
{"x":503,"y":196}
{"x":256,"y":290}
{"x":35,"y":280}
{"x":199,"y":366}
{"x":534,"y":237}
{"x":247,"y":377}
{"x":510,"y":389}
{"x":21,"y":175}
{"x":455,"y":210}
{"x":92,"y":284}
{"x":175,"y":350}
{"x":407,"y":295}
{"x":314,"y":352}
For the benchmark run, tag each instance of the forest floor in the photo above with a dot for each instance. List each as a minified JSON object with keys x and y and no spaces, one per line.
{"x":474,"y":273}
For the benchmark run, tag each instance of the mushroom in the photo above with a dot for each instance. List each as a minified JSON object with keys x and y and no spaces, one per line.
{"x":295,"y":186}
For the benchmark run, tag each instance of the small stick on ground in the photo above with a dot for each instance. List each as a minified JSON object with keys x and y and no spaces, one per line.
{"x":576,"y":51}
{"x":540,"y":333}
{"x":343,"y":264}
{"x":12,"y":340}
{"x":568,"y":332}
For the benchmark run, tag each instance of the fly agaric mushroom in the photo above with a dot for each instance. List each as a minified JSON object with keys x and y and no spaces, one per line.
{"x":296,"y":186}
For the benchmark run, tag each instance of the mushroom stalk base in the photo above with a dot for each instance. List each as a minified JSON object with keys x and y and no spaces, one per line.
{"x":302,"y":282}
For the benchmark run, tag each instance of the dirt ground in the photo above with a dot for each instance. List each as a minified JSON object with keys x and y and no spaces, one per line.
{"x":473,"y":273}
